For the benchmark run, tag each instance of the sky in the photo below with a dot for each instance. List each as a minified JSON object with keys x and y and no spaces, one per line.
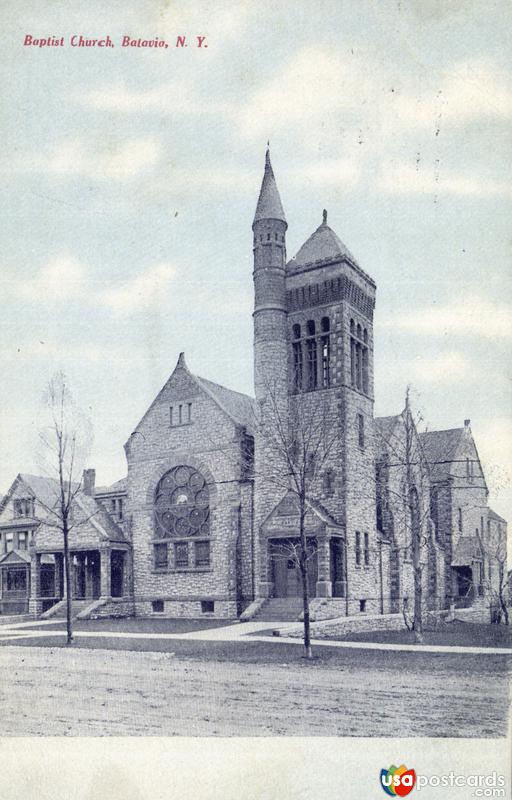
{"x":130,"y":178}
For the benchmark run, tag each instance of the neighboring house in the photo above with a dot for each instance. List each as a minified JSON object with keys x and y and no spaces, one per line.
{"x":31,"y":548}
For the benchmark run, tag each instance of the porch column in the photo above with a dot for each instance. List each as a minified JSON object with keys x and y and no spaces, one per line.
{"x":105,"y":567}
{"x":265,"y":587}
{"x":89,"y":588}
{"x":323,"y":583}
{"x":35,"y":605}
{"x":59,"y":575}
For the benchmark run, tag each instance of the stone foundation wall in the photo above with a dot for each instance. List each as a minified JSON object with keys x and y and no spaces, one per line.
{"x":186,"y":608}
{"x":330,"y":629}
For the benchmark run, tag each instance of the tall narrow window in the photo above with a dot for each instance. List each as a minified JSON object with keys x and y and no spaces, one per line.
{"x":202,"y":554}
{"x":359,"y":367}
{"x":161,"y":556}
{"x":297,"y":359}
{"x":328,"y":483}
{"x":366,"y":550}
{"x":360,"y":430}
{"x":171,"y":420}
{"x":181,"y":555}
{"x":353,"y":362}
{"x":326,"y":351}
{"x":312,"y":356}
{"x":358,"y":549}
{"x":189,"y":412}
{"x":460,"y":520}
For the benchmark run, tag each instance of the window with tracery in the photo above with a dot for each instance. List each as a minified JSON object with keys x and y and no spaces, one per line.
{"x":182,"y":512}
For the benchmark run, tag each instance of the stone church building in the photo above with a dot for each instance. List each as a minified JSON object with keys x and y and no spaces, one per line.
{"x":206,"y":521}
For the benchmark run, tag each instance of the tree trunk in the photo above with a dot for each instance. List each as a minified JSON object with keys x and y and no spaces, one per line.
{"x":418,"y":618}
{"x":305,"y":588}
{"x":69,"y":589}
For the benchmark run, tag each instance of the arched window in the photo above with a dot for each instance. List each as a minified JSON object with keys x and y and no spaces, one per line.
{"x":182,"y":504}
{"x":325,"y":343}
{"x":311,"y":356}
{"x":328,"y":483}
{"x":358,"y":331}
{"x":365,"y":336}
{"x":297,"y":359}
{"x":352,"y":326}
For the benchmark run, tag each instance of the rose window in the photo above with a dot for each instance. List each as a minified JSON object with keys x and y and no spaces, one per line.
{"x":182,"y":504}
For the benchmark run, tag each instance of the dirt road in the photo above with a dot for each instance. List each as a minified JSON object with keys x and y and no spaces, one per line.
{"x":95,"y":692}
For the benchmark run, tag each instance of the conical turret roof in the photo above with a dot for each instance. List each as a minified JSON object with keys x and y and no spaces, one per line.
{"x":269,"y":203}
{"x":322,"y":245}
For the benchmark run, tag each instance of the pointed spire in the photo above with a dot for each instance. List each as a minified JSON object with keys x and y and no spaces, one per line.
{"x":181,"y":361}
{"x":269,"y":203}
{"x":324,"y":217}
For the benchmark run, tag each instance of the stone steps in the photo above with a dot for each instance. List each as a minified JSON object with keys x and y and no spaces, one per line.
{"x":280,"y":609}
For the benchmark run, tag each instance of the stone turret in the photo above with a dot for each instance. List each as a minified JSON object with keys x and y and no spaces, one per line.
{"x":269,"y":248}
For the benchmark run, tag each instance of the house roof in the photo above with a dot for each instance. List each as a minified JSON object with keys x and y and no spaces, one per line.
{"x":496,"y":517}
{"x":466,"y":551}
{"x":440,"y":448}
{"x":96,"y":516}
{"x":269,"y":204}
{"x":240,"y":407}
{"x":115,"y":488}
{"x":322,"y":245}
{"x":45,"y":489}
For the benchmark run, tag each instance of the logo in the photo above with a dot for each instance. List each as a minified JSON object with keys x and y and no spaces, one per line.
{"x":397,"y":781}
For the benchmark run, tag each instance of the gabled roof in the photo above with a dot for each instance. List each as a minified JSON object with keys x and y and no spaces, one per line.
{"x":96,"y":516}
{"x":15,"y":557}
{"x":240,"y":407}
{"x":269,"y":204}
{"x":440,"y":448}
{"x":496,"y":517}
{"x":384,"y":427}
{"x":115,"y":488}
{"x":322,"y":245}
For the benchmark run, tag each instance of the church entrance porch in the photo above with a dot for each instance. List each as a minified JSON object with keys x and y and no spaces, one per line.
{"x":285,"y":570}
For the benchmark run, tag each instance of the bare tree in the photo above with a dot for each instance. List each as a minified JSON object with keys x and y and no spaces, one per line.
{"x":494,"y":584}
{"x":64,"y":443}
{"x":408,"y":489}
{"x":297,"y":435}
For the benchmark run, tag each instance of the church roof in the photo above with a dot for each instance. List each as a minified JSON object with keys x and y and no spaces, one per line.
{"x":269,"y":202}
{"x":240,"y":407}
{"x":322,"y":245}
{"x":440,"y":448}
{"x":386,"y":425}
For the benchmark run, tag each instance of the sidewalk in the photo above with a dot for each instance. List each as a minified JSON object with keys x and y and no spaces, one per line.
{"x":233,"y":633}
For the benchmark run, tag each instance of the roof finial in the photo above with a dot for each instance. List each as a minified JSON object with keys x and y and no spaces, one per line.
{"x":324,"y":215}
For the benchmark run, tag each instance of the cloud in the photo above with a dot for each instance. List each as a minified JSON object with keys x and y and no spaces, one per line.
{"x":469,"y":314}
{"x":145,"y":292}
{"x":113,"y":161}
{"x":64,"y":279}
{"x":177,"y":98}
{"x":61,"y":279}
{"x":400,"y":177}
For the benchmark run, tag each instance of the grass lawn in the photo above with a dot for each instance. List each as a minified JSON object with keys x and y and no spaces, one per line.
{"x":138,"y":625}
{"x":459,"y":634}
